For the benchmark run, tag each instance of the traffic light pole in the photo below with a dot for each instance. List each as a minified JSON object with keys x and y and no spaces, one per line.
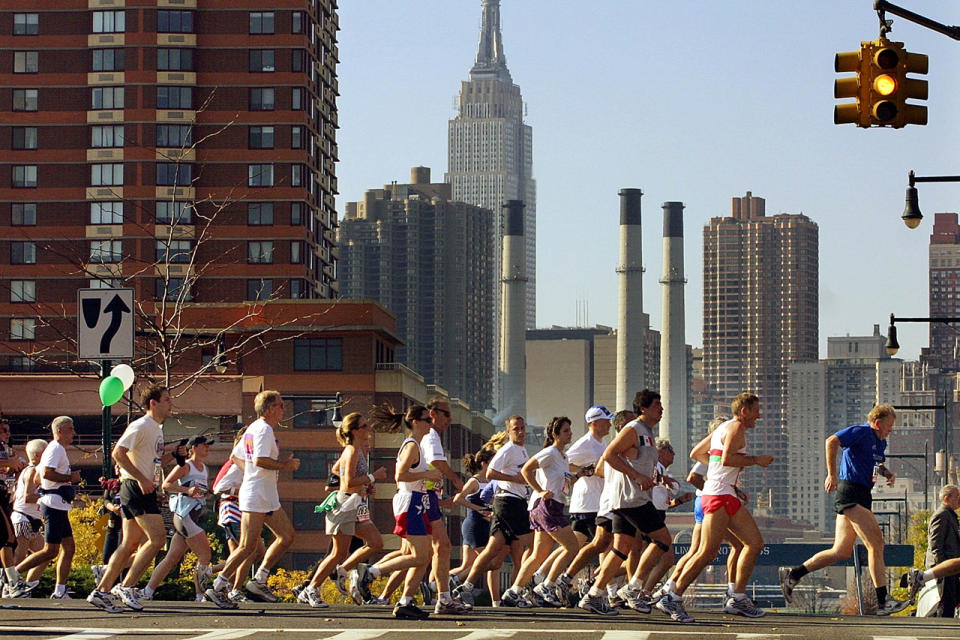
{"x":882,"y":6}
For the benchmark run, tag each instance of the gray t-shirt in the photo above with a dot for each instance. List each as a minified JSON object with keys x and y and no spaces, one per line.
{"x":624,"y":492}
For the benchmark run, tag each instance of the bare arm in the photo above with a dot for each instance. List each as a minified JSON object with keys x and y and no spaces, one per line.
{"x":350,"y":481}
{"x":701,"y":451}
{"x":736,"y":440}
{"x":51,"y":474}
{"x":529,"y":473}
{"x":406,"y":460}
{"x":121,"y":456}
{"x":832,"y":446}
{"x":695,"y":479}
{"x":170,"y":484}
{"x":291,"y":464}
{"x":448,"y":472}
{"x":32,"y":483}
{"x":470,"y":486}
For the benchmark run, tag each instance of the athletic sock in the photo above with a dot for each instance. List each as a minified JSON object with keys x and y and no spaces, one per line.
{"x":798,"y":572}
{"x":374,"y":571}
{"x":928,"y":575}
{"x":147,"y":591}
{"x":612,"y":589}
{"x":595,"y":592}
{"x":881,"y":596}
{"x":548,"y":584}
{"x":60,"y":590}
{"x":220,"y":583}
{"x":739,"y":596}
{"x":467,"y":586}
{"x":671,"y":585}
{"x":445,"y":597}
{"x":13,"y":576}
{"x":672,"y":591}
{"x":514,"y":589}
{"x":731,"y":589}
{"x":262,"y":575}
{"x":405,"y":601}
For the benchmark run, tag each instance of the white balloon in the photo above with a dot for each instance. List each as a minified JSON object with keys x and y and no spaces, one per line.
{"x":125,"y":373}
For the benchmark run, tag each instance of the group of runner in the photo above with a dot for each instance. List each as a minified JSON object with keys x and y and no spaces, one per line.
{"x":516,"y":505}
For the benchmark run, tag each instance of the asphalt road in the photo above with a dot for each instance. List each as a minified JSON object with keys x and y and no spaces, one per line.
{"x":38,"y":619}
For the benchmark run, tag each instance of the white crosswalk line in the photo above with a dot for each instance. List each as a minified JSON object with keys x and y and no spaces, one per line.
{"x":625,"y":635}
{"x":225,"y":634}
{"x":356,"y":634}
{"x":896,"y":638}
{"x":488,"y":634}
{"x":91,"y":635}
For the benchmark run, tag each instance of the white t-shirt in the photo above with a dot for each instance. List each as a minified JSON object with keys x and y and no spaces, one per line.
{"x":552,"y":473}
{"x":143,"y":439}
{"x":585,"y":497}
{"x":55,"y":457}
{"x":660,"y":494}
{"x":431,"y":448}
{"x":258,"y":492}
{"x":508,"y":460}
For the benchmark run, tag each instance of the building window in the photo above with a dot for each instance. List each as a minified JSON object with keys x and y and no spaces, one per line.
{"x":107,"y":98}
{"x":262,"y":99}
{"x":261,"y":137}
{"x":296,"y":22}
{"x":318,"y":354}
{"x":296,"y":137}
{"x":260,"y":252}
{"x":109,"y":21}
{"x":296,"y":252}
{"x":106,"y":136}
{"x":26,"y":61}
{"x":106,"y":175}
{"x":23,"y":253}
{"x":173,"y":174}
{"x":108,"y":59}
{"x":305,"y":519}
{"x":175,"y":136}
{"x":23,"y":214}
{"x":261,"y":22}
{"x":25,"y":176}
{"x":314,"y":465}
{"x":171,"y":290}
{"x":24,"y":99}
{"x":174,"y":97}
{"x":296,"y":99}
{"x":22,"y":363}
{"x":296,"y":214}
{"x":260,"y":213}
{"x":261,"y":61}
{"x":26,"y":24}
{"x":298,"y":59}
{"x":173,"y":251}
{"x":23,"y":291}
{"x":297,"y":172}
{"x":170,"y":212}
{"x":174,"y":59}
{"x":259,"y":289}
{"x":105,"y":283}
{"x":109,"y":212}
{"x":24,"y":138}
{"x":260,"y":175}
{"x":23,"y":328}
{"x":106,"y":251}
{"x":298,"y":289}
{"x":174,"y":22}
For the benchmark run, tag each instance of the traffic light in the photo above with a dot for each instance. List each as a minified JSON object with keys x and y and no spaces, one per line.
{"x":881,"y":86}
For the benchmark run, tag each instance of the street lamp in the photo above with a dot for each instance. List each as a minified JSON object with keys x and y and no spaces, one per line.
{"x":337,"y":413}
{"x":892,"y":345}
{"x":911,"y":211}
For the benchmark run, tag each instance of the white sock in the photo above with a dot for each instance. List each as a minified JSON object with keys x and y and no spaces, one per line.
{"x":549,"y":584}
{"x":669,"y":586}
{"x":445,"y":597}
{"x":673,"y":590}
{"x":928,"y":575}
{"x":405,"y":600}
{"x":740,"y":596}
{"x":375,"y":571}
{"x":612,"y":589}
{"x":595,"y":592}
{"x":147,"y":591}
{"x":203,"y":569}
{"x":636,"y":583}
{"x":221,"y":583}
{"x":262,"y":575}
{"x":233,"y":592}
{"x":467,"y":586}
{"x":515,"y":589}
{"x":60,"y":589}
{"x":13,"y":576}
{"x":565,"y":578}
{"x":341,"y":571}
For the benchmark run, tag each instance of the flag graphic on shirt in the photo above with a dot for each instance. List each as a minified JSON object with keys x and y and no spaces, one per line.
{"x":716,"y":455}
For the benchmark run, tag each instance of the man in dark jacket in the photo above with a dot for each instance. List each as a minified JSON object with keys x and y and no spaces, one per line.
{"x":943,"y":553}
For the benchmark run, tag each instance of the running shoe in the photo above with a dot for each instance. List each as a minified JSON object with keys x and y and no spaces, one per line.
{"x":583,"y":587}
{"x":261,"y":591}
{"x":787,"y":584}
{"x":427,"y":593}
{"x":143,"y":596}
{"x":464,"y":595}
{"x":62,"y":596}
{"x":615,"y":602}
{"x":547,"y":595}
{"x":409,"y":612}
{"x":452,"y":607}
{"x":673,"y":607}
{"x":311,"y":597}
{"x":21,"y":589}
{"x":202,"y":579}
{"x":509,"y":598}
{"x":221,"y":598}
{"x":892,"y":606}
{"x":340,"y":582}
{"x":743,"y":607}
{"x":915,"y":583}
{"x":237,"y":596}
{"x":378,"y":602}
{"x":361,"y":579}
{"x":641,"y":603}
{"x":626,"y":592}
{"x":98,"y":570}
{"x":455,"y":581}
{"x":104,"y":601}
{"x":596,"y":604}
{"x":538,"y":577}
{"x":562,"y":591}
{"x":128,"y":595}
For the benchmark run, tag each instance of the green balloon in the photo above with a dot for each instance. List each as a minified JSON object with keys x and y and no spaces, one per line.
{"x":111,"y":390}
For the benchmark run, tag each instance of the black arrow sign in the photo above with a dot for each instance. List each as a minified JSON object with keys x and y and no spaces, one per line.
{"x":117,"y":308}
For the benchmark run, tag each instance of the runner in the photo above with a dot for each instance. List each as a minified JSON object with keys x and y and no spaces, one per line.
{"x":10,"y":465}
{"x":863,"y":448}
{"x":475,"y":529}
{"x":26,"y":518}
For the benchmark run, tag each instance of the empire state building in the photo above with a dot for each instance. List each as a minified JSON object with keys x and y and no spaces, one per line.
{"x":490,"y":153}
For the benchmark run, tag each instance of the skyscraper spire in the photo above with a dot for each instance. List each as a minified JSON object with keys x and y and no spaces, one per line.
{"x":490,"y":57}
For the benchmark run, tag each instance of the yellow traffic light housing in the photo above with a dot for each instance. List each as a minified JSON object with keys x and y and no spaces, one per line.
{"x":881,"y":86}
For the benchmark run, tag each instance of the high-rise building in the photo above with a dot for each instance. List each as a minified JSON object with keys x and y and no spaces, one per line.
{"x":823,"y":398}
{"x":428,"y":260}
{"x":490,"y":149}
{"x":760,"y":280}
{"x":185,"y":149}
{"x":945,"y":288}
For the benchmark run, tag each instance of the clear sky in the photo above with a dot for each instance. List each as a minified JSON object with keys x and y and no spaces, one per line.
{"x":695,"y":101}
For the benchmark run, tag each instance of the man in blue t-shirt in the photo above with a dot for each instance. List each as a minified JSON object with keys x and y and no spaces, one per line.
{"x":863,"y":457}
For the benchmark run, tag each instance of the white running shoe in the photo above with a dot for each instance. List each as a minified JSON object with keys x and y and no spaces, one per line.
{"x":743,"y":607}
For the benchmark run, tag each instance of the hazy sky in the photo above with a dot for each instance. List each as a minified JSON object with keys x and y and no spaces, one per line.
{"x":696,"y":101}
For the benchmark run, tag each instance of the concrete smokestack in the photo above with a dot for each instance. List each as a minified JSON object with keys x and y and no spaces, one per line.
{"x":632,"y":323}
{"x":673,"y":350}
{"x":513,"y":288}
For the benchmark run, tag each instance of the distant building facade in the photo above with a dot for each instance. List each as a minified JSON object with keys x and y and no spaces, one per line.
{"x":429,"y":261}
{"x":945,"y":288}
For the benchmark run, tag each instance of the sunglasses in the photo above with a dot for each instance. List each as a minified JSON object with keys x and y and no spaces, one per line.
{"x":428,"y":420}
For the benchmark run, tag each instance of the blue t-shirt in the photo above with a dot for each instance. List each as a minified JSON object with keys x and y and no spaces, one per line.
{"x":862,"y":451}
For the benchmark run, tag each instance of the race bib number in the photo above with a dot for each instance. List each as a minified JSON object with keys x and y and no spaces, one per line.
{"x":363,"y":513}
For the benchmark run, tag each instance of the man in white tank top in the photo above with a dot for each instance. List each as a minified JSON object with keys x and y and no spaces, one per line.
{"x":724,"y":453}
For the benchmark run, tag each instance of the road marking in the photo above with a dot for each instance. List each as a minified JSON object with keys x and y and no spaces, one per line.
{"x":356,"y":634}
{"x":486,"y":634}
{"x":90,"y":635}
{"x":225,"y":634}
{"x":625,"y":635}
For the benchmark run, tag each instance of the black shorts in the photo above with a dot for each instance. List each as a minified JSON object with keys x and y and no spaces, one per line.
{"x":605,"y":523}
{"x":56,"y":524}
{"x":584,"y":523}
{"x":851,"y":494}
{"x":231,"y":531}
{"x":134,"y":504}
{"x":510,"y":517}
{"x":644,"y":518}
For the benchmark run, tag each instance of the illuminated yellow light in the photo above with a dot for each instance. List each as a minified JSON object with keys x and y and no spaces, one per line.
{"x":884,"y":85}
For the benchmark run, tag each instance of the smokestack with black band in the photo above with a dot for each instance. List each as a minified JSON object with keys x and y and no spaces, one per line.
{"x":513,"y":383}
{"x":632,"y":322}
{"x":673,"y":350}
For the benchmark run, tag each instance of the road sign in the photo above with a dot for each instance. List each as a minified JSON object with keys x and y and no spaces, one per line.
{"x":105,"y":324}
